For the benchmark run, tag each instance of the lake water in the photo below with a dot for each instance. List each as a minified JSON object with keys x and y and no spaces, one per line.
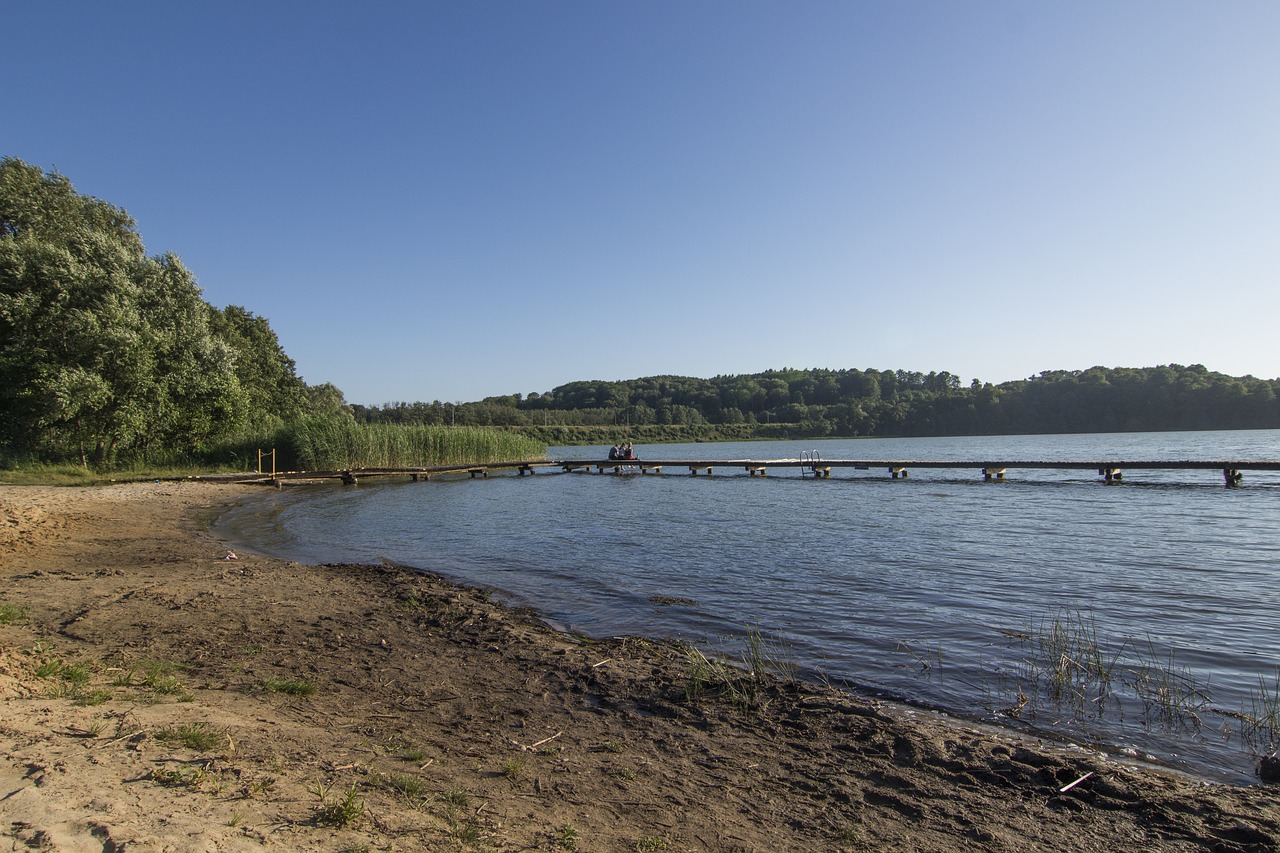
{"x":940,"y":589}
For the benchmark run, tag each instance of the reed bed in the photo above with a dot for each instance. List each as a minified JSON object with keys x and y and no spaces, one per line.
{"x":330,"y":444}
{"x":1061,"y":665}
{"x":1262,"y":718}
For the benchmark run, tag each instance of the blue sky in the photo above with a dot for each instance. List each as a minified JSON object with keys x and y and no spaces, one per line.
{"x":451,"y":201}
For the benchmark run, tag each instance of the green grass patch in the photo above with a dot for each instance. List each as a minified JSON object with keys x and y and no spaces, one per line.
{"x":155,"y":676}
{"x":513,"y":769}
{"x":165,"y":685}
{"x":48,"y":669}
{"x":94,"y":697}
{"x":68,"y":680}
{"x":567,"y":837}
{"x":405,"y":784}
{"x":193,"y":778}
{"x":77,"y":674}
{"x":41,"y":474}
{"x":289,"y":686}
{"x":455,"y":798}
{"x":341,"y":812}
{"x":12,"y":614}
{"x":199,"y":736}
{"x":70,"y":474}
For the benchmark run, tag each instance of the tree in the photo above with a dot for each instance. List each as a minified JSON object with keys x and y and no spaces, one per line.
{"x":273,"y":391}
{"x":102,"y":349}
{"x":327,"y":400}
{"x":196,"y":396}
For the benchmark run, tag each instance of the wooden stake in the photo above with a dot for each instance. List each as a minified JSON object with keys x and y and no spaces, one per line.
{"x":1066,"y":788}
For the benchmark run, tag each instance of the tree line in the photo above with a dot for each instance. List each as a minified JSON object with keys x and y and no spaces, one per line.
{"x":820,"y":402}
{"x":108,"y":354}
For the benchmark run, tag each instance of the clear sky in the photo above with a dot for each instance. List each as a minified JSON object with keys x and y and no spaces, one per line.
{"x":456,"y":200}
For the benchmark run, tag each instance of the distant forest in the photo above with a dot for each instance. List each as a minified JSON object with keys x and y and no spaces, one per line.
{"x":817,"y":402}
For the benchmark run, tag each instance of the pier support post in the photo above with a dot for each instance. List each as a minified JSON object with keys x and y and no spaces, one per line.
{"x":1232,"y":476}
{"x":348,"y":479}
{"x":1112,"y":475}
{"x":753,"y":470}
{"x":989,"y":473}
{"x":898,"y":472}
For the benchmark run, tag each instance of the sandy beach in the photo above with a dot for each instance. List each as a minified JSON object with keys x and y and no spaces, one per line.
{"x":156,"y":695}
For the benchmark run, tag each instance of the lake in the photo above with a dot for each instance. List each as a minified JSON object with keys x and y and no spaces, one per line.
{"x":1138,"y":617}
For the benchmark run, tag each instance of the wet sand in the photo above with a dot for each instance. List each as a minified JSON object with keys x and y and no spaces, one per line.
{"x":444,"y":721}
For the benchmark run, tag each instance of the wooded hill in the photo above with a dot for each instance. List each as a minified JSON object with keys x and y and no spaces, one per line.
{"x":817,"y":402}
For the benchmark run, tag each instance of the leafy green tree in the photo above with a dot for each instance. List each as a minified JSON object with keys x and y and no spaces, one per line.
{"x":102,"y":349}
{"x":195,"y":396}
{"x":274,"y":394}
{"x":327,"y":400}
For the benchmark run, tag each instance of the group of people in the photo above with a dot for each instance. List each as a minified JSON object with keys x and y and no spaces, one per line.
{"x":622,"y":451}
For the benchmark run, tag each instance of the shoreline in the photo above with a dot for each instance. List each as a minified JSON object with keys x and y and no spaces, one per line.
{"x":457,"y":723}
{"x":994,"y":647}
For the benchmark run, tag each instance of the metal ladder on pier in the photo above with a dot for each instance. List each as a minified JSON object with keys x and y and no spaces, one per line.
{"x":811,"y":463}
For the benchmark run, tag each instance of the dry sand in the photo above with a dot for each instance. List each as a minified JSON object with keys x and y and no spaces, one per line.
{"x":448,"y":722}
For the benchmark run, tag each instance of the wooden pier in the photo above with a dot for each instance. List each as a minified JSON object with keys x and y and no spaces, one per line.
{"x":1110,"y":470}
{"x":809,"y":465}
{"x":351,"y":476}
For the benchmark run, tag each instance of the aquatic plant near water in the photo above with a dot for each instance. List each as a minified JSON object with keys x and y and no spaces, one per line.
{"x":768,"y":654}
{"x":1063,"y":663}
{"x":1263,"y":718}
{"x":715,"y":679}
{"x":1169,"y":691}
{"x":330,"y":444}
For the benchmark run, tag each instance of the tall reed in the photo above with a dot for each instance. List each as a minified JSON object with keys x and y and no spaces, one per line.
{"x":1263,"y":718}
{"x":330,"y":443}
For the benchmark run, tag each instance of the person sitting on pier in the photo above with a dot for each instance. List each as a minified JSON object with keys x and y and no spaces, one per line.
{"x":628,"y":452}
{"x":615,"y":452}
